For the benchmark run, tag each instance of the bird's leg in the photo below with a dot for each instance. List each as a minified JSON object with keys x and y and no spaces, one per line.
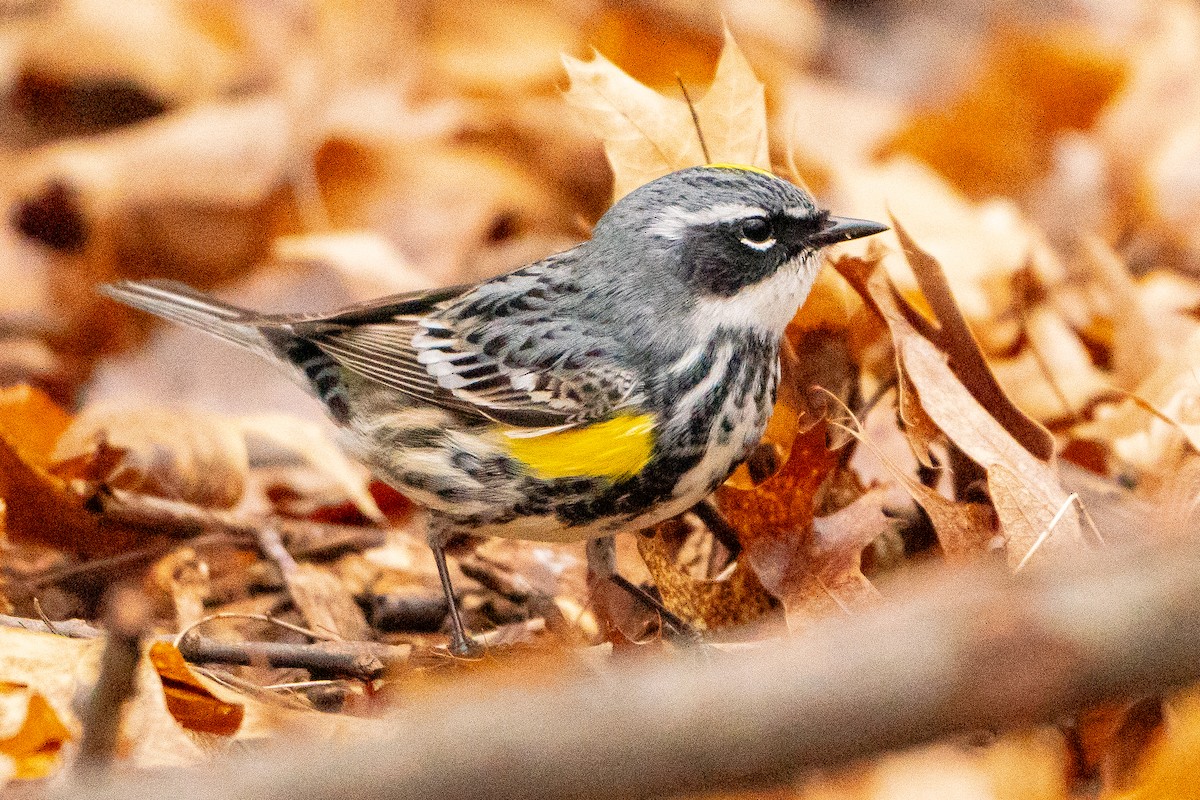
{"x":602,"y":557}
{"x":460,"y":644}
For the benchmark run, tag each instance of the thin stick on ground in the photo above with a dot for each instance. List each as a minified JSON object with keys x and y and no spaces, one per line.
{"x":977,"y":649}
{"x":303,"y":539}
{"x":361,"y":660}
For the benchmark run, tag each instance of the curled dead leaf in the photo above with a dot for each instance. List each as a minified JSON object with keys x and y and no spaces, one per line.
{"x":188,"y":700}
{"x":180,"y":455}
{"x":1027,"y":493}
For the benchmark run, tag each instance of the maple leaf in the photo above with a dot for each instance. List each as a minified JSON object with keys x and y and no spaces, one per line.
{"x":647,"y":135}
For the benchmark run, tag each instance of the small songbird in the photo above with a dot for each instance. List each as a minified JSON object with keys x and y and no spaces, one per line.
{"x":605,"y":388}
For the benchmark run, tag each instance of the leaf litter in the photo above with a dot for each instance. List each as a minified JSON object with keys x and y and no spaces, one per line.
{"x":1031,"y":320}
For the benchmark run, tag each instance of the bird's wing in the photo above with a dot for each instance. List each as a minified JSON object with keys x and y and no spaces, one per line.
{"x":525,"y":367}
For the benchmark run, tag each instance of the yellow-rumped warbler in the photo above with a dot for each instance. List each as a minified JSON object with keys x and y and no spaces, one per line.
{"x":608,"y":387}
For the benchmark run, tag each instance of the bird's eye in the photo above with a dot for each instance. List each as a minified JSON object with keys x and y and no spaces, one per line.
{"x":757,"y":230}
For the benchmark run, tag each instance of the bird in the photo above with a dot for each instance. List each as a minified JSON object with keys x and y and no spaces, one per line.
{"x":602,"y":389}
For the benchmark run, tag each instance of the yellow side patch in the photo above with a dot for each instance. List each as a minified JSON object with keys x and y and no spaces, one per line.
{"x":614,"y":449}
{"x":745,"y":167}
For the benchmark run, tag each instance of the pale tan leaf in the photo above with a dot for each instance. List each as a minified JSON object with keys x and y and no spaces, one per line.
{"x":960,"y":416}
{"x":647,"y":135}
{"x":1053,"y":378}
{"x":1033,"y":484}
{"x":733,"y":113}
{"x":310,"y":443}
{"x":831,"y":581}
{"x":181,"y":455}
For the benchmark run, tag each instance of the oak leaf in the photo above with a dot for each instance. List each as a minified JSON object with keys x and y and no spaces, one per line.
{"x":1036,"y":514}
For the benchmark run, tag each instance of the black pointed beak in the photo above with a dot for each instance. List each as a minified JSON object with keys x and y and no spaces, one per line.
{"x":843,"y":229}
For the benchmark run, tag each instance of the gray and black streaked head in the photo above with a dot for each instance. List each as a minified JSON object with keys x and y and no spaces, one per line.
{"x":741,"y":241}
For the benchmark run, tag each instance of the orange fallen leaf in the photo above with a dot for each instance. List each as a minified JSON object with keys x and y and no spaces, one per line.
{"x":39,"y":508}
{"x":190,"y":702}
{"x":811,"y":565}
{"x":998,"y":136}
{"x":36,"y":743}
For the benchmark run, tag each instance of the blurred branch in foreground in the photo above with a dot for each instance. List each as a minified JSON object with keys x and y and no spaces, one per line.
{"x":976,"y":650}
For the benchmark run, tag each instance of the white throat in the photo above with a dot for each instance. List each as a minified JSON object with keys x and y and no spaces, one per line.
{"x":767,"y":306}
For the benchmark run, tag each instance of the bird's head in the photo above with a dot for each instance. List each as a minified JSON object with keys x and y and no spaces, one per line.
{"x":742,"y":241}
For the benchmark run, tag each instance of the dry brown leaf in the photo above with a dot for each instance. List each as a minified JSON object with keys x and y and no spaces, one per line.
{"x":38,"y":506}
{"x":956,"y":338}
{"x":178,"y":454}
{"x":812,"y":566}
{"x":1026,"y":490}
{"x":774,"y":519}
{"x":31,"y":732}
{"x":734,"y":598}
{"x":646,"y":135}
{"x":983,"y":246}
{"x":1053,"y":378}
{"x":1156,"y":428}
{"x":964,"y":530}
{"x":326,"y":604}
{"x":312,"y":444}
{"x":833,"y":582}
{"x":31,"y":423}
{"x":61,"y":669}
{"x":1140,"y":340}
{"x":190,"y":702}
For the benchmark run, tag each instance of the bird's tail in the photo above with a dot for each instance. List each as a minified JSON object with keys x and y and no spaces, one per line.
{"x":181,"y":303}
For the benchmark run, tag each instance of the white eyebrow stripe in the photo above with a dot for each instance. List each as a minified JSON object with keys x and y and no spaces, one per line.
{"x":799,"y":212}
{"x":672,"y":223}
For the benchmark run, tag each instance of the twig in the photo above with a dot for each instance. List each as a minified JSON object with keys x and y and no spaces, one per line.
{"x":302,"y":539}
{"x":363,"y":660}
{"x":126,"y":621}
{"x":267,"y":618}
{"x":496,"y":577}
{"x":71,"y":628}
{"x":979,"y":649}
{"x":37,"y":606}
{"x":270,"y":542}
{"x":718,"y":526}
{"x":695,"y":118}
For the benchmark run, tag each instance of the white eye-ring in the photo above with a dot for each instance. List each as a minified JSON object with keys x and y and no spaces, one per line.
{"x":758,"y":233}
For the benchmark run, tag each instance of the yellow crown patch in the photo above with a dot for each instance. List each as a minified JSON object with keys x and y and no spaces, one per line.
{"x":744,"y":167}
